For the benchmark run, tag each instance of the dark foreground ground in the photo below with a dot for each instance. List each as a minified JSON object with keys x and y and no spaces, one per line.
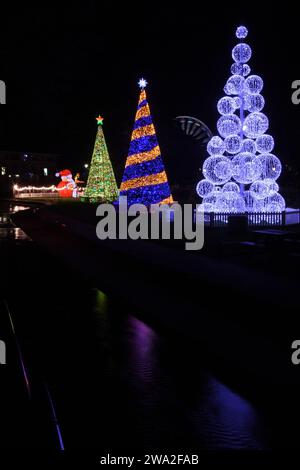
{"x":117,"y":380}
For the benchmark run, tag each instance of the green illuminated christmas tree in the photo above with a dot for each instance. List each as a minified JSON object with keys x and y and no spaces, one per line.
{"x":101,"y":185}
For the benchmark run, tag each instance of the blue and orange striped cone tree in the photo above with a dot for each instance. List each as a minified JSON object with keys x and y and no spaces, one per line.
{"x":144,"y":179}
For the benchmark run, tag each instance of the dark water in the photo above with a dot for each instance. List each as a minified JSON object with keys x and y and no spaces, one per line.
{"x":115,"y":381}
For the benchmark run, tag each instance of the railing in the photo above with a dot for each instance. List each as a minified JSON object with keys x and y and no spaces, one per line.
{"x":255,"y":219}
{"x":43,"y":195}
{"x":44,"y":192}
{"x":34,"y":191}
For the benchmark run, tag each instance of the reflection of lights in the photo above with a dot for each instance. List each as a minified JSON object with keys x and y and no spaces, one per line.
{"x":143,"y":351}
{"x":15,"y":233}
{"x":233,"y":415}
{"x":101,"y":302}
{"x":18,"y":208}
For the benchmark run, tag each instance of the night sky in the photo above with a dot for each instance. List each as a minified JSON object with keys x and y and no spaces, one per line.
{"x":64,"y":66}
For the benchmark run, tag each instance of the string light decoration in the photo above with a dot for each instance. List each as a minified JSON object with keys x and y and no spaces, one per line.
{"x":21,"y":189}
{"x":144,"y":179}
{"x":101,"y":184}
{"x":240,"y":171}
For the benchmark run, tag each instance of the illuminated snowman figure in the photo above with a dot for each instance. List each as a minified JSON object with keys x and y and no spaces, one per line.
{"x":240,"y":172}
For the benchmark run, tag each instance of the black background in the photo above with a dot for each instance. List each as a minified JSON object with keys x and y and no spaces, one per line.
{"x":64,"y":64}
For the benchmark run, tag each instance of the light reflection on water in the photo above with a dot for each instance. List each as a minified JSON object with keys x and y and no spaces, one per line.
{"x":163,"y":391}
{"x":171,"y":396}
{"x":8,"y":230}
{"x":16,"y":208}
{"x":14,"y":233}
{"x":230,"y":419}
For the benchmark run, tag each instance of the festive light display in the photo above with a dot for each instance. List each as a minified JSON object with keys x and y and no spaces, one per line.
{"x":241,"y":172}
{"x":21,"y":189}
{"x":101,"y":184}
{"x":67,"y":186}
{"x":144,"y":179}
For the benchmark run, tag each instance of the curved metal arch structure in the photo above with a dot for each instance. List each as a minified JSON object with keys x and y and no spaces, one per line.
{"x":194,"y":128}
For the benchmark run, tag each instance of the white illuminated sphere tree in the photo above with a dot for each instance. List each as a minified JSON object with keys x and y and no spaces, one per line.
{"x":240,"y":172}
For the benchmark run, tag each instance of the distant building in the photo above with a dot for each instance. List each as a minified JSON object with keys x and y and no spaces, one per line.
{"x":26,"y":169}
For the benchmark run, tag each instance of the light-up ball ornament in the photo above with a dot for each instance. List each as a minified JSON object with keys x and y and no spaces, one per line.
{"x":223,"y":169}
{"x":254,"y":84}
{"x":241,"y":32}
{"x":275,"y":203}
{"x":265,"y":143}
{"x":205,"y":188}
{"x":227,"y":205}
{"x":231,"y":191}
{"x":227,"y":90}
{"x":273,"y":186}
{"x":246,"y":168}
{"x":271,"y":166}
{"x":249,"y":201}
{"x":239,"y":204}
{"x":245,"y":70}
{"x":259,"y":189}
{"x":226,"y":105}
{"x":245,"y":100}
{"x":237,"y":101}
{"x":235,"y":84}
{"x":212,"y":201}
{"x":255,"y":125}
{"x":249,"y":146}
{"x":256,"y":103}
{"x":233,"y":143}
{"x":217,"y":169}
{"x":253,"y":204}
{"x":224,"y":205}
{"x":216,"y":146}
{"x":228,"y":125}
{"x":217,"y":190}
{"x":205,"y":207}
{"x":241,"y":53}
{"x":236,"y":69}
